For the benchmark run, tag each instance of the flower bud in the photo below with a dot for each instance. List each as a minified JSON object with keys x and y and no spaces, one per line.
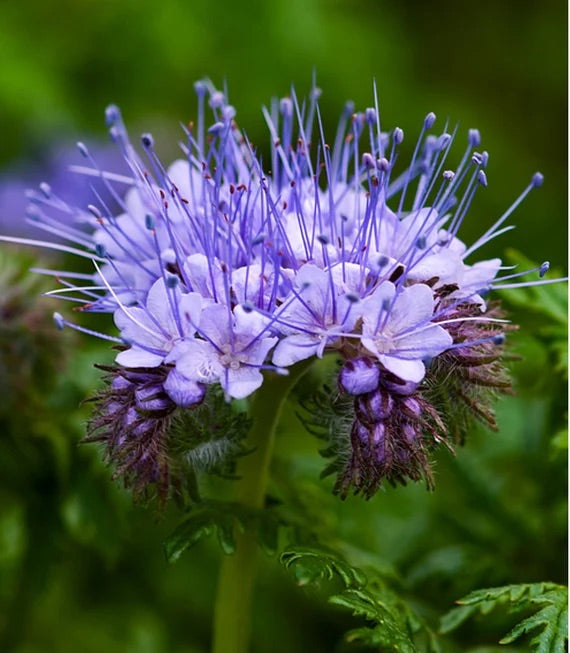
{"x":359,"y":376}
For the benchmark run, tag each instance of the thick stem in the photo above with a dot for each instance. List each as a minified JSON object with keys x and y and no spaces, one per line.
{"x":232,"y":618}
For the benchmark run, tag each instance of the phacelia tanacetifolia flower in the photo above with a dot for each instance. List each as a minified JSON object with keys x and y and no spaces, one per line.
{"x":216,"y":269}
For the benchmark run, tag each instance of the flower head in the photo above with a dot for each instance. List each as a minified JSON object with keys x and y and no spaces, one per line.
{"x":216,"y":269}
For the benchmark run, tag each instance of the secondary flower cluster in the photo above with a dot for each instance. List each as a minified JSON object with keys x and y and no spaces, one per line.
{"x":217,"y":268}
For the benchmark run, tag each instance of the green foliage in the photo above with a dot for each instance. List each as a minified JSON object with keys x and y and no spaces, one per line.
{"x":311,"y":566}
{"x":551,"y":619}
{"x":223,"y":519}
{"x":204,"y":520}
{"x":395,"y":626}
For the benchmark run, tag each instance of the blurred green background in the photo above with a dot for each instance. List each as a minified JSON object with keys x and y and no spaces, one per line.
{"x":81,"y":569}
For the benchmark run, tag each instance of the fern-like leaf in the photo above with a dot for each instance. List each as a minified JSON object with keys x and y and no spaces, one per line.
{"x":394,"y":628}
{"x":551,"y":618}
{"x":222,"y":518}
{"x":312,"y":565}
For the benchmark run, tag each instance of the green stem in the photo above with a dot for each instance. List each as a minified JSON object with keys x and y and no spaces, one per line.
{"x":232,"y":618}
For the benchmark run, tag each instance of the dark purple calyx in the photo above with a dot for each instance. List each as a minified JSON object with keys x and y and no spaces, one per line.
{"x":132,"y":418}
{"x":393,"y":430}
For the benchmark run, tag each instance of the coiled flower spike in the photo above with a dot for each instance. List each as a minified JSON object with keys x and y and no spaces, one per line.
{"x":216,"y":270}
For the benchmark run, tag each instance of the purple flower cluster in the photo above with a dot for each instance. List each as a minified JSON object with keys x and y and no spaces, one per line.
{"x":217,"y":268}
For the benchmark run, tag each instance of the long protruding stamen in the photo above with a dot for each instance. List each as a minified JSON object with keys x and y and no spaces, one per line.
{"x":61,"y":322}
{"x":224,"y":225}
{"x":53,"y":246}
{"x":536,"y":182}
{"x":428,"y":124}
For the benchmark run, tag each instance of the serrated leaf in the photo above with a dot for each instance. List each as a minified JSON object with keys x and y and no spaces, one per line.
{"x":552,"y":619}
{"x":204,"y":520}
{"x":312,"y":565}
{"x":385,"y":637}
{"x":223,"y":519}
{"x":394,"y":623}
{"x":454,"y":618}
{"x":226,"y":539}
{"x":388,"y":630}
{"x":186,"y":536}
